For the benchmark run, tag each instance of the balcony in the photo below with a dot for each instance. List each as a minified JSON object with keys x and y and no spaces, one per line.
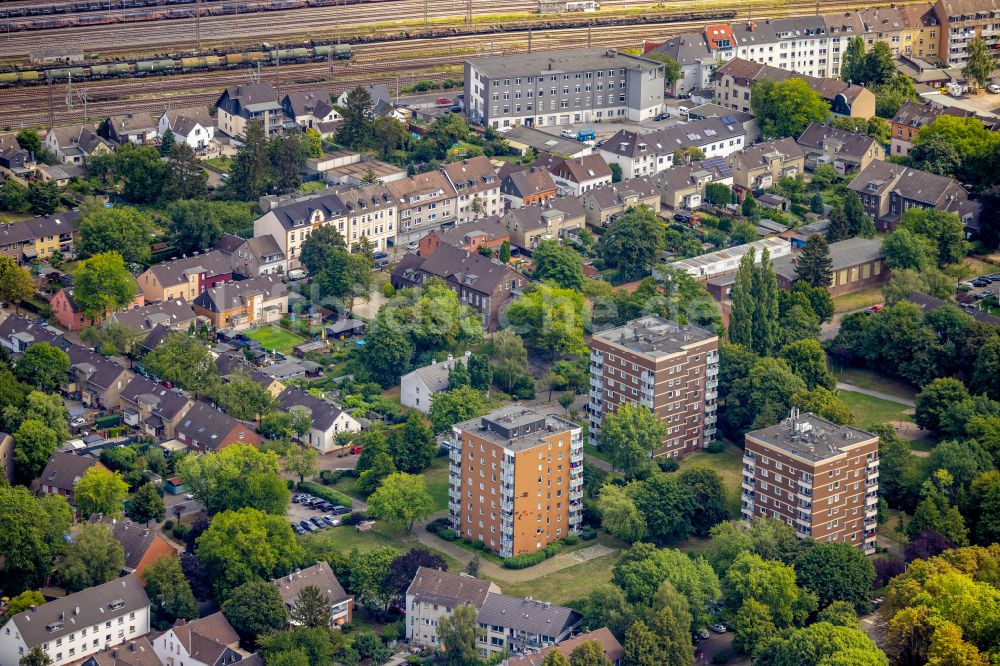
{"x":712,"y":358}
{"x":596,"y":382}
{"x":507,"y":507}
{"x":748,"y":495}
{"x":749,"y":459}
{"x":804,"y":496}
{"x":711,"y":408}
{"x":872,"y":474}
{"x":712,"y":371}
{"x":597,"y":358}
{"x":871,"y":513}
{"x":748,"y":484}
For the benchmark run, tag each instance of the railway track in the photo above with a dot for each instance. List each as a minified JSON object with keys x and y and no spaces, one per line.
{"x":397,"y":63}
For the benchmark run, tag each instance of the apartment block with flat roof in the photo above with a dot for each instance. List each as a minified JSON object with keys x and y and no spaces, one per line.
{"x":516,"y":479}
{"x":670,"y":368}
{"x":819,"y":477}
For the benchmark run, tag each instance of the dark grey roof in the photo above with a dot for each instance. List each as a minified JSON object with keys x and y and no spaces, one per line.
{"x":88,"y":607}
{"x":654,"y":336}
{"x":844,"y":254}
{"x":98,"y":371}
{"x":235,"y":98}
{"x":137,"y":652}
{"x":758,"y":155}
{"x":32,"y":331}
{"x":536,"y":216}
{"x":527,"y":181}
{"x":811,"y":437}
{"x":320,"y":575}
{"x":459,"y":235}
{"x":166,"y":403}
{"x":922,"y":186}
{"x":64,"y":469}
{"x":134,"y":538}
{"x":207,"y":425}
{"x":576,"y":169}
{"x":175,"y":314}
{"x":928,"y":303}
{"x":712,"y":110}
{"x":689,"y":175}
{"x":449,"y":589}
{"x":174,"y":272}
{"x":853,"y":146}
{"x":613,"y":195}
{"x":308,"y":102}
{"x":529,"y":615}
{"x":234,"y":295}
{"x":470,"y":269}
{"x":687,"y":48}
{"x":323,"y":412}
{"x":572,"y":60}
{"x":435,"y":375}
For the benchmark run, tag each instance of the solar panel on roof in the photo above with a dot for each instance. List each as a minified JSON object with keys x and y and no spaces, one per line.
{"x":728,"y":119}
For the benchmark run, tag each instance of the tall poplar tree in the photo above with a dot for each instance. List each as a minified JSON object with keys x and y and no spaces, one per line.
{"x":764,"y":335}
{"x":741,"y":314}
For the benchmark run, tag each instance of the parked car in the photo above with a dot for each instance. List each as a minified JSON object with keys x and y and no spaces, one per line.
{"x":443,"y":101}
{"x":297,"y":528}
{"x":568,"y":134}
{"x":718,"y":628}
{"x":77,"y":422}
{"x":662,"y":116}
{"x":455,"y":108}
{"x":306,"y":525}
{"x":412,"y":245}
{"x":993,"y":88}
{"x":340,"y":510}
{"x":318,"y":522}
{"x":330,"y":520}
{"x":356,"y":450}
{"x":878,"y":307}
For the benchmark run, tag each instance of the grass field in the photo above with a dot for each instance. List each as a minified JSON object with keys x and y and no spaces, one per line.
{"x":435,"y":477}
{"x":868,"y":410}
{"x":347,"y":538}
{"x":565,"y":585}
{"x":220,"y":164}
{"x":873,"y":381}
{"x":274,"y":337}
{"x":729,"y":465}
{"x":857,"y":300}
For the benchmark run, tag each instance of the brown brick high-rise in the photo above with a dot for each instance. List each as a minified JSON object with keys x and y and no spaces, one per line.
{"x":516,"y":480}
{"x":819,"y":477}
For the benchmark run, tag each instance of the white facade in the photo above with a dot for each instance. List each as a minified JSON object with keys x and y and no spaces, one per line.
{"x":417,"y":388}
{"x":197,"y":136}
{"x":326,"y":440}
{"x":710,"y":265}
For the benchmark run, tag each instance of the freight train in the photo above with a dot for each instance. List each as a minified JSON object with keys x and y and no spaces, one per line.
{"x":273,"y":56}
{"x":117,"y":11}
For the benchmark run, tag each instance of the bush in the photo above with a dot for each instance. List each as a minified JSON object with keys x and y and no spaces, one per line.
{"x":388,"y":290}
{"x":355,"y":517}
{"x":524,"y":388}
{"x":169,"y":525}
{"x":448,"y":534}
{"x":180,"y":531}
{"x":394,"y":631}
{"x":720,"y":658}
{"x":668,"y":464}
{"x":329,"y":477}
{"x":588,"y":533}
{"x":716,"y":447}
{"x":524,"y":560}
{"x":327,"y":494}
{"x":436,"y":526}
{"x":479,"y":545}
{"x":571,"y":540}
{"x":553,"y":549}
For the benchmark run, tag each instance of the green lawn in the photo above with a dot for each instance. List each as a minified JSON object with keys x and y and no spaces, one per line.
{"x":594,"y":451}
{"x":565,"y":585}
{"x":873,"y":381}
{"x":888,"y":531}
{"x":729,"y":465}
{"x":347,"y":538}
{"x":924,"y":444}
{"x":868,"y":410}
{"x":275,"y":337}
{"x":435,"y":477}
{"x":220,"y":164}
{"x":857,"y":300}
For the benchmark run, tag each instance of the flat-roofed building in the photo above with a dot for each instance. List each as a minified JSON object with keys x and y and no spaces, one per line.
{"x":670,"y":368}
{"x":516,"y":479}
{"x":819,"y":477}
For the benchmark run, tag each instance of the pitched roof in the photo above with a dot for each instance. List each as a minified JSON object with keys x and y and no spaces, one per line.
{"x":928,"y":303}
{"x":527,"y":182}
{"x":536,"y":216}
{"x":323,"y":412}
{"x":97,"y":370}
{"x":85,"y":608}
{"x":131,"y":122}
{"x":319,"y":575}
{"x":175,"y":314}
{"x":208,"y":426}
{"x":182,"y":121}
{"x":471,"y":175}
{"x":83,"y":137}
{"x":208,"y":638}
{"x":165,"y":403}
{"x":134,"y":538}
{"x":746,"y":71}
{"x":686,"y":176}
{"x":969,"y":7}
{"x":526,"y":614}
{"x":420,"y":187}
{"x":613,"y":194}
{"x":759,"y":155}
{"x":613,"y":650}
{"x":843,"y":254}
{"x":471,"y":269}
{"x":695,"y":133}
{"x":461,"y":234}
{"x":308,"y":103}
{"x":137,"y":652}
{"x":447,"y":588}
{"x":174,"y":272}
{"x":435,"y":375}
{"x":64,"y":469}
{"x":851,"y":144}
{"x":927,"y":188}
{"x":247,"y":94}
{"x":575,"y":169}
{"x":233,"y":295}
{"x":229,"y":365}
{"x":687,"y":48}
{"x":47,"y":225}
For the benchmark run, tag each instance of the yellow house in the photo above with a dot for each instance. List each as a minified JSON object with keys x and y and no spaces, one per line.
{"x":920,"y":33}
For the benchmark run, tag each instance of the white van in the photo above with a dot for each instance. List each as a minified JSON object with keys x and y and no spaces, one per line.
{"x":568,"y":134}
{"x":296,"y":274}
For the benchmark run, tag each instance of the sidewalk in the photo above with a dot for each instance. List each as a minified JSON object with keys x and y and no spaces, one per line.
{"x":876,"y":394}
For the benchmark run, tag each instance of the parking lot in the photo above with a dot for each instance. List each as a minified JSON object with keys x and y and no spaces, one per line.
{"x":314,"y":511}
{"x":982,"y":290}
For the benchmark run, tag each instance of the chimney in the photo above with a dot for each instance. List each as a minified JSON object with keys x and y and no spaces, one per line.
{"x":451,"y":361}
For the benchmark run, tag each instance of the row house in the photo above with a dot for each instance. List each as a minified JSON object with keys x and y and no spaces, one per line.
{"x":72,"y":628}
{"x":174,"y":315}
{"x":488,"y":232}
{"x":140,"y":545}
{"x":426,"y":201}
{"x":204,"y":428}
{"x":40,"y":237}
{"x":153,"y":408}
{"x":648,"y":154}
{"x":207,"y":641}
{"x":961,"y":22}
{"x":734,"y":83}
{"x":887,"y":190}
{"x":67,"y":312}
{"x":62,"y":471}
{"x":185,"y":278}
{"x":243,"y":304}
{"x":532,"y":224}
{"x":253,"y":257}
{"x":95,"y":380}
{"x":921,"y":32}
{"x":910,"y":117}
{"x":485,"y":285}
{"x":762,"y":165}
{"x":575,"y":175}
{"x":526,"y":187}
{"x":477,"y":187}
{"x":847,"y":152}
{"x":603,"y":204}
{"x":328,"y":419}
{"x":193,"y":126}
{"x":683,"y":187}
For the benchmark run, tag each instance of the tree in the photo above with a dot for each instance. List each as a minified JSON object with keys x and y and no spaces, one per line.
{"x":168,"y":588}
{"x":787,"y":107}
{"x":146,"y":505}
{"x":392,"y":135}
{"x":878,"y":67}
{"x":311,"y":608}
{"x":121,"y":229}
{"x":642,"y":646}
{"x":368,"y":574}
{"x":480,"y":372}
{"x":167,"y":142}
{"x":243,"y":398}
{"x":641,"y":571}
{"x":417,"y":444}
{"x":905,"y":249}
{"x":629,"y":436}
{"x":34,"y":443}
{"x":371,"y":647}
{"x":741,"y":314}
{"x":550,"y":319}
{"x":619,"y":514}
{"x":102,"y":285}
{"x":559,"y":264}
{"x":979,"y":66}
{"x":186,"y":177}
{"x":510,"y":358}
{"x":937,"y":400}
{"x":765,"y":294}
{"x":852,"y":68}
{"x":43,"y":366}
{"x":708,"y":498}
{"x":236,"y":476}
{"x":404,"y":568}
{"x":14,"y":197}
{"x":250,"y":174}
{"x":588,"y":653}
{"x":935,"y":511}
{"x":632,"y":242}
{"x":824,"y":643}
{"x":94,"y":558}
{"x":837,"y":572}
{"x":944,"y":230}
{"x":100,"y":491}
{"x":185,"y":361}
{"x":35,"y":657}
{"x":768,"y":582}
{"x":555,"y":658}
{"x":387,"y":352}
{"x":458,"y":376}
{"x":287,"y":157}
{"x":308,"y":646}
{"x":461,"y":404}
{"x":43,"y":197}
{"x":457,"y":634}
{"x":254,"y":609}
{"x":666,"y":506}
{"x":22,"y":602}
{"x":987,"y":369}
{"x":301,"y":461}
{"x":752,"y":627}
{"x":807,"y":359}
{"x":142,"y":172}
{"x":356,"y":130}
{"x":718,"y":194}
{"x":32,"y":532}
{"x":401,"y":499}
{"x":815,"y":266}
{"x":15,"y":282}
{"x":245,"y":545}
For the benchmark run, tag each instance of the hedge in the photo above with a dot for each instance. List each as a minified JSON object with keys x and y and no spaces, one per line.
{"x":327,"y":494}
{"x":525,"y":560}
